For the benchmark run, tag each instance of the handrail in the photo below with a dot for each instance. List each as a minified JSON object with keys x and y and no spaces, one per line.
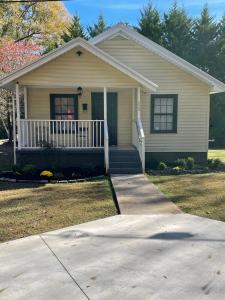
{"x":106,"y":146}
{"x":141,"y":142}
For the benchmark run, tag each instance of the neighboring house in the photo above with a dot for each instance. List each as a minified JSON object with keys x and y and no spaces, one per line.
{"x":113,"y":94}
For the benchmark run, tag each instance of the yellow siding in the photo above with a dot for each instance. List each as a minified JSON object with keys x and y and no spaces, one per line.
{"x":72,"y":70}
{"x":193,"y":98}
{"x":39,"y":108}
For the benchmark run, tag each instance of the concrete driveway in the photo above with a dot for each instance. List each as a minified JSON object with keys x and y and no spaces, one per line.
{"x":123,"y":257}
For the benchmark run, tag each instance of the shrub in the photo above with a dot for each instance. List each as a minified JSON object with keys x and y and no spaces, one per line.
{"x":46,"y":173}
{"x":217,"y":163}
{"x":214,"y":163}
{"x":29,"y":170}
{"x":162,"y":166}
{"x":177,"y":170}
{"x":181,"y":162}
{"x":15,"y":168}
{"x":190,"y":162}
{"x":58,"y":176}
{"x":88,"y":169}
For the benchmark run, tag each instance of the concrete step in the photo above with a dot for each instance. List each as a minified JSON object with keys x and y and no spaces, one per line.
{"x":125,"y":164}
{"x":125,"y":170}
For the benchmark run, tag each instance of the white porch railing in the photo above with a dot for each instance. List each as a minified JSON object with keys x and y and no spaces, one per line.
{"x":139,"y":140}
{"x":61,"y":134}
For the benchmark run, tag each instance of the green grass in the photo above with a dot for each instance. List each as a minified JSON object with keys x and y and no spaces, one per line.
{"x":201,"y":195}
{"x":27,"y":209}
{"x":212,"y":154}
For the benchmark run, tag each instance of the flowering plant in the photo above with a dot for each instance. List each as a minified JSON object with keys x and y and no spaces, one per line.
{"x":46,"y":174}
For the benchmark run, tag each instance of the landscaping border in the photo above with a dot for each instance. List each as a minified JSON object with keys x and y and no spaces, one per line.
{"x":5,"y":179}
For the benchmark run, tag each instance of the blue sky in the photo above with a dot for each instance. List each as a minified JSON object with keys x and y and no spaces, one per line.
{"x":116,"y":11}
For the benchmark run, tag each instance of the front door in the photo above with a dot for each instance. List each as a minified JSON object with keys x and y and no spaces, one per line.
{"x":98,"y":113}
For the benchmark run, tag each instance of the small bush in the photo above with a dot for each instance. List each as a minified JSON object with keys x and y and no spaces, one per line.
{"x":46,"y":173}
{"x":181,"y":162}
{"x":29,"y":170}
{"x":177,"y":170}
{"x":59,"y":176}
{"x":15,"y":168}
{"x":214,"y":163}
{"x":162,"y":166}
{"x":217,"y":163}
{"x":88,"y":170}
{"x":190,"y":162}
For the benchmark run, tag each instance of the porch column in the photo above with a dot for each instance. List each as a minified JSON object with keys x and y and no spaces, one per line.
{"x":25,"y":101}
{"x":105,"y":104}
{"x":133,"y":104}
{"x":138,"y":103}
{"x":14,"y":130}
{"x":18,"y":114}
{"x":106,"y":135}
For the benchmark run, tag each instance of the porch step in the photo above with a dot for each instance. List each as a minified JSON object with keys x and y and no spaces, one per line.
{"x":118,"y":171}
{"x":124,"y":161}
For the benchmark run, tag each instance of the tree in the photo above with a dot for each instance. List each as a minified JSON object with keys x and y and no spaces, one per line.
{"x":41,"y":22}
{"x":204,"y":42}
{"x":150,"y":23}
{"x":177,"y":28}
{"x":74,"y":30}
{"x":12,"y":56}
{"x":97,"y":28}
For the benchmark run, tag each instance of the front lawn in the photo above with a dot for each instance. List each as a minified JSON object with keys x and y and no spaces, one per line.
{"x":27,"y":209}
{"x":219,"y":153}
{"x":202,"y":194}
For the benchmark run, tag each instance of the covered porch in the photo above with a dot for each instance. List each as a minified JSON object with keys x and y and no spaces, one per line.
{"x":87,"y":118}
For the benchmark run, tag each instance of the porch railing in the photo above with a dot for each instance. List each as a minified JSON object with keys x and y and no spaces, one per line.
{"x":61,"y":133}
{"x":139,"y":140}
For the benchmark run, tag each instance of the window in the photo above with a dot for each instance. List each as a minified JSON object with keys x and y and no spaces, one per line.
{"x":64,"y":107}
{"x":164,"y":113}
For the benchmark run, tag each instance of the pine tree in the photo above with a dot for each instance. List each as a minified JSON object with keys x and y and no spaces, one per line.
{"x":177,"y":31}
{"x":205,"y":42}
{"x":97,"y":28}
{"x":150,"y":24}
{"x":74,"y":30}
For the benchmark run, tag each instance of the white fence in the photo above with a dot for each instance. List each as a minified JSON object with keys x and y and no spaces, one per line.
{"x":61,"y":133}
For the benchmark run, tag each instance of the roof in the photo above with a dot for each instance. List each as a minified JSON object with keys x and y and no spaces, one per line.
{"x":125,"y":31}
{"x":9,"y":79}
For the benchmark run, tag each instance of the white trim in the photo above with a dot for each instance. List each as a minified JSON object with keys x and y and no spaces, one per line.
{"x":14,"y":130}
{"x":90,"y":48}
{"x":138,"y":103}
{"x":18,"y":114}
{"x":25,"y":101}
{"x":216,"y":86}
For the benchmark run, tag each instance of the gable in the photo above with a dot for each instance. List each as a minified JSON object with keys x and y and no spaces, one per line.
{"x":71,"y":70}
{"x":214,"y":84}
{"x":165,"y":74}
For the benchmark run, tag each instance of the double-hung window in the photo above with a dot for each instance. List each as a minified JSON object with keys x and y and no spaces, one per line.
{"x":64,"y":107}
{"x":164,"y":113}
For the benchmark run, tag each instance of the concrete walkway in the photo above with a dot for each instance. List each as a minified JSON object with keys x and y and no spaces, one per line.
{"x":159,"y":257}
{"x":136,"y":195}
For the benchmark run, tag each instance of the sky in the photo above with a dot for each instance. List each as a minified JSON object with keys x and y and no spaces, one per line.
{"x":115,"y":11}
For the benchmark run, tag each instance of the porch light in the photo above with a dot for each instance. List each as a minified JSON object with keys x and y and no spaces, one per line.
{"x":80,"y":91}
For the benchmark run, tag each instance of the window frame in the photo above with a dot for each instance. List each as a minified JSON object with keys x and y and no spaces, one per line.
{"x":174,"y":114}
{"x":53,"y":114}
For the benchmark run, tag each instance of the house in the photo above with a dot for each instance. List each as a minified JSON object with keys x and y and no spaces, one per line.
{"x":119,"y":99}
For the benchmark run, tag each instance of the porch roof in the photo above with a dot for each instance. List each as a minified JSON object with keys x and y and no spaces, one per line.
{"x":9,"y":80}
